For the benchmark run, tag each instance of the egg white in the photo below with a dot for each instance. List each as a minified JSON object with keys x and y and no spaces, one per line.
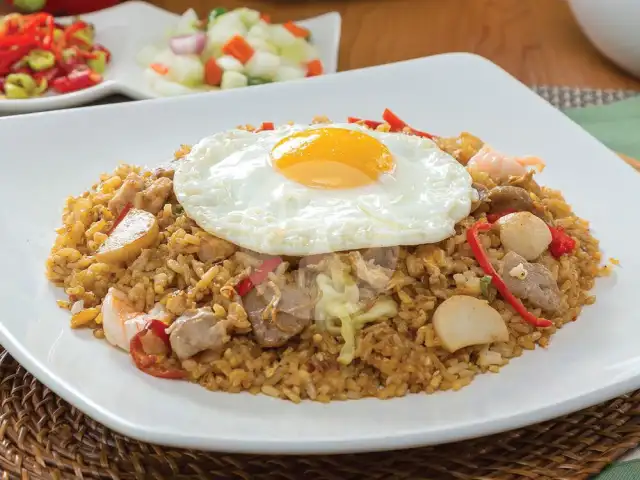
{"x":228,"y":185}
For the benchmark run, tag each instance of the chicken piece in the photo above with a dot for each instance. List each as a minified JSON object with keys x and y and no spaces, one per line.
{"x":483,"y":197}
{"x":276,"y":320}
{"x":462,"y":148}
{"x":137,"y":230}
{"x":127,"y":192}
{"x":375,"y":275}
{"x":153,"y":198}
{"x":386,"y":257}
{"x":536,"y":284}
{"x":214,"y":249}
{"x":196,"y":331}
{"x":166,"y":172}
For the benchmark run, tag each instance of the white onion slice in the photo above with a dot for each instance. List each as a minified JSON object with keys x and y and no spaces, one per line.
{"x":188,"y":44}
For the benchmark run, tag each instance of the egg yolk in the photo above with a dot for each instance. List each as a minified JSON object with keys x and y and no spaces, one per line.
{"x":332,"y":158}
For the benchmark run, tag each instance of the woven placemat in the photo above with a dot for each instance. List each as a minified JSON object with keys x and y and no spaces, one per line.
{"x":44,"y":438}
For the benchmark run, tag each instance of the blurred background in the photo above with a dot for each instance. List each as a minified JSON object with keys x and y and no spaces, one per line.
{"x":538,"y":41}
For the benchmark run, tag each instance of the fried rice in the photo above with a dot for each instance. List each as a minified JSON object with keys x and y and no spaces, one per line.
{"x":392,"y":357}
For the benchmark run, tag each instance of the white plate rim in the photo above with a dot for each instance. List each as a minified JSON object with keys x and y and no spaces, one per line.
{"x":376,"y":443}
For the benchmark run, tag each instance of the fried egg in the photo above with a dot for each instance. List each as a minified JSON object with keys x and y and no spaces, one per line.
{"x":302,"y":190}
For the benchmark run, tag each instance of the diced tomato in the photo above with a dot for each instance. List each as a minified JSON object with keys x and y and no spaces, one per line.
{"x":159,"y":68}
{"x":315,"y":68}
{"x":296,"y":30}
{"x":212,"y":73}
{"x":561,"y":242}
{"x":238,"y":48}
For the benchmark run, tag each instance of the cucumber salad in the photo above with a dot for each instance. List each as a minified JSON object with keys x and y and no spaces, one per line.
{"x":228,"y":49}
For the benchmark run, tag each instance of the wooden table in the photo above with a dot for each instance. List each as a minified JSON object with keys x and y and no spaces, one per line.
{"x":536,"y":40}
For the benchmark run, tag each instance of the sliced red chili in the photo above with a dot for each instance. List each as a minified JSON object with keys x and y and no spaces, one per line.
{"x":561,"y":242}
{"x":151,"y":364}
{"x":49,"y":74}
{"x":398,"y":125}
{"x":257,"y":277}
{"x":8,"y":58}
{"x":78,"y":79}
{"x":47,"y":42}
{"x":85,"y":54}
{"x":419,"y":133}
{"x":159,"y":329}
{"x":120,"y":217}
{"x":265,"y":126}
{"x":17,"y":40}
{"x":494,"y":217}
{"x":73,"y":29}
{"x":483,"y":260}
{"x":369,"y":123}
{"x":36,"y":20}
{"x":101,"y":48}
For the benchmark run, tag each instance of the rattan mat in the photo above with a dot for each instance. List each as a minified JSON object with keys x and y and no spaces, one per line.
{"x":43,"y":437}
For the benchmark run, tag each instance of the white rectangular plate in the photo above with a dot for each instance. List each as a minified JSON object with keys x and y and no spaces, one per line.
{"x":126,"y":28}
{"x":49,"y":156}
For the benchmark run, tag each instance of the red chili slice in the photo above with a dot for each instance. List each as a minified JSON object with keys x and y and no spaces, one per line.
{"x":485,"y":263}
{"x":561,"y":242}
{"x":369,"y":123}
{"x":265,"y":126}
{"x":152,"y":364}
{"x":257,"y":277}
{"x":398,"y":125}
{"x":494,"y":217}
{"x":120,"y":217}
{"x":159,"y":329}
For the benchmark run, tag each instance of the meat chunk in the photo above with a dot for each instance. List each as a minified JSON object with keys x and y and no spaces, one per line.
{"x":127,"y":192}
{"x":531,"y":281}
{"x":272,"y":325}
{"x":166,"y":172}
{"x":369,"y":272}
{"x":513,"y":198}
{"x":196,"y":331}
{"x":527,"y":182}
{"x":153,"y":198}
{"x":483,"y":196}
{"x":386,"y":257}
{"x":214,"y":249}
{"x":462,"y":147}
{"x":510,"y":198}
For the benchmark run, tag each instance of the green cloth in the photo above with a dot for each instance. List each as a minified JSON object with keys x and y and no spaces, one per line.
{"x":617,"y":125}
{"x":621,"y":471}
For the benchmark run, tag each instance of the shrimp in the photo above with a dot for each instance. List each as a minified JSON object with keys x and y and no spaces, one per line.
{"x":500,"y":166}
{"x":121,"y":322}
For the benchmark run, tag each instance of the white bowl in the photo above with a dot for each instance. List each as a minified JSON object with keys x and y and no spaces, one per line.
{"x":126,"y":28}
{"x":613,"y":27}
{"x":589,"y":361}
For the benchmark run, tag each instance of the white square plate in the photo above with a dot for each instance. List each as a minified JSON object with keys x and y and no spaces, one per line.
{"x":126,"y":28}
{"x":49,"y":156}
